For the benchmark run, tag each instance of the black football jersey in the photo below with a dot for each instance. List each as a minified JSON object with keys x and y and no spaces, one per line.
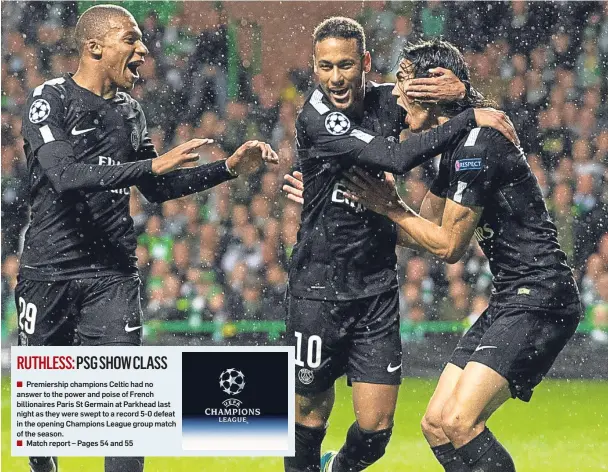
{"x":515,"y":231}
{"x":345,"y":251}
{"x":86,"y":231}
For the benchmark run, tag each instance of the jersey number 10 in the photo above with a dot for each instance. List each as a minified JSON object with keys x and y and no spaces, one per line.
{"x":313,"y":358}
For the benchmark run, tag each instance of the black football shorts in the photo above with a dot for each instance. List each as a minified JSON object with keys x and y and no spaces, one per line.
{"x":92,"y":311}
{"x":359,"y":338}
{"x":518,"y":342}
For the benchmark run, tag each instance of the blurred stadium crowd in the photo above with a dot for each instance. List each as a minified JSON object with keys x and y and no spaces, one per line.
{"x":223,"y":255}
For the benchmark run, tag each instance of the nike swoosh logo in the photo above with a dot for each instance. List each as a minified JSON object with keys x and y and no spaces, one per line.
{"x":479,"y":348}
{"x":390,"y":368}
{"x":76,"y":132}
{"x":128,"y":328}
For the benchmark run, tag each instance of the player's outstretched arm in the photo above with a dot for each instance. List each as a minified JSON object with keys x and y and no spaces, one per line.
{"x":65,"y":173}
{"x":176,"y":183}
{"x":365,"y":148}
{"x":448,"y":240}
{"x":400,"y":158}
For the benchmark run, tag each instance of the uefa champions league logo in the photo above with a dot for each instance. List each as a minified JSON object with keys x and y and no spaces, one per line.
{"x":39,"y":111}
{"x":232,"y":381}
{"x":337,"y":123}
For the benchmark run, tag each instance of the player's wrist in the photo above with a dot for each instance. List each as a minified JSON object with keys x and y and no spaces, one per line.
{"x":231,"y":170}
{"x":156,"y":166}
{"x":399,"y":212}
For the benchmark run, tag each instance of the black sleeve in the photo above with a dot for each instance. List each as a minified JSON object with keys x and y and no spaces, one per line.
{"x":44,"y":116}
{"x":339,"y":138}
{"x":64,"y":173}
{"x":400,"y":158}
{"x":182,"y":182}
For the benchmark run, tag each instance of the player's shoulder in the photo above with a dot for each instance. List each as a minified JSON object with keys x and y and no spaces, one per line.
{"x":54,"y":88}
{"x":482,"y":148}
{"x":44,"y":100}
{"x":314,"y":112}
{"x":489,"y":137}
{"x":483,"y":140}
{"x":471,"y":151}
{"x":316,"y":105}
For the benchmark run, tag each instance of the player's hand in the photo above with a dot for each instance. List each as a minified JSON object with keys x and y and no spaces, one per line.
{"x":178,"y":156}
{"x":498,"y":120}
{"x":249,"y":157}
{"x":294,"y":188}
{"x":442,"y":86}
{"x":375,"y":194}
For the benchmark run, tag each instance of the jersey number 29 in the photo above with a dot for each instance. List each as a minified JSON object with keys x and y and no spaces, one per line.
{"x":27,"y":316}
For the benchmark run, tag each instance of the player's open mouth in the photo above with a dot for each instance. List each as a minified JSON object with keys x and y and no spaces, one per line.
{"x":132,"y":66}
{"x":339,"y":94}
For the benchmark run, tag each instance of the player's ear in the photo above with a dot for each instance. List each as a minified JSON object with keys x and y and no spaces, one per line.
{"x":94,"y":48}
{"x":367,"y":62}
{"x":314,"y":64}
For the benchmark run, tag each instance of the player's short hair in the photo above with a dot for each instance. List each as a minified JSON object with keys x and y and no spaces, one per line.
{"x":425,"y":55}
{"x":93,"y":23}
{"x":340,"y":27}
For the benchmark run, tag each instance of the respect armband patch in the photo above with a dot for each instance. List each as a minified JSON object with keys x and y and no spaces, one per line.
{"x":468,"y":164}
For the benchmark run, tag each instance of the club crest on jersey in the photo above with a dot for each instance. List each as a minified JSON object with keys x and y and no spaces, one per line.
{"x":468,"y":164}
{"x":337,"y":123}
{"x":39,"y":111}
{"x":135,"y":139}
{"x":23,"y":341}
{"x":306,"y":376}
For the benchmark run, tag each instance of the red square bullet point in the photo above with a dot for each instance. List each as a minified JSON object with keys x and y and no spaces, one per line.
{"x":19,"y":442}
{"x":19,"y":383}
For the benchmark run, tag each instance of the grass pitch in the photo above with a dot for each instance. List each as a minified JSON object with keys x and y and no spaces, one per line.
{"x":563,"y":429}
